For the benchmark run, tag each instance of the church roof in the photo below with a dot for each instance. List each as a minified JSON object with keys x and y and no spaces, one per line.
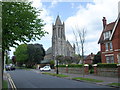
{"x":58,"y":21}
{"x":49,"y":50}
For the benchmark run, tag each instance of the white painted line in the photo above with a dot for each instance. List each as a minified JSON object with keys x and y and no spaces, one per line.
{"x":11,"y":82}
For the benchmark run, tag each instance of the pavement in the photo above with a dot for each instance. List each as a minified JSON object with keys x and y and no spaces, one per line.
{"x":106,"y":80}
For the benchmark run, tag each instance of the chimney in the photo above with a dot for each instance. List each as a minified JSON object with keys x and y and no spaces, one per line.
{"x":118,"y":7}
{"x":104,"y":22}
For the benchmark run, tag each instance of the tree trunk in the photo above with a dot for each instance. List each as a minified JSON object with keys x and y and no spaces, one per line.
{"x":1,"y":68}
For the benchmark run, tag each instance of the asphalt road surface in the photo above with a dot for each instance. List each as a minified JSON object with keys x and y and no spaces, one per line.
{"x":31,"y":79}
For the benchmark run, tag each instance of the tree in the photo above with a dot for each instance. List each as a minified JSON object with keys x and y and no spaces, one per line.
{"x":21,"y":54}
{"x":76,"y":58}
{"x":97,"y":58}
{"x":81,"y":35}
{"x":20,"y":22}
{"x":35,"y":53}
{"x":39,"y":53}
{"x":68,"y":59}
{"x":60,"y":58}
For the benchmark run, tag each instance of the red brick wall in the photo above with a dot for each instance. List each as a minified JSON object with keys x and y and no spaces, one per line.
{"x":115,"y":43}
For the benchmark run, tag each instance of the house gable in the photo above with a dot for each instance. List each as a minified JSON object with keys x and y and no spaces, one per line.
{"x":116,"y":24}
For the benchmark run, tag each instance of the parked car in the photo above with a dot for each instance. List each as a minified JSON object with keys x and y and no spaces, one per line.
{"x":45,"y":68}
{"x":10,"y":67}
{"x":7,"y":67}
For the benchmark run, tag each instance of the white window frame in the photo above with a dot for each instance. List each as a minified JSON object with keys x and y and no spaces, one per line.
{"x":106,"y":46}
{"x":107,"y":35}
{"x":111,"y":46}
{"x":110,"y":59}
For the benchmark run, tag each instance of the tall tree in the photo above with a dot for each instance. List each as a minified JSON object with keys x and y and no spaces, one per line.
{"x":20,"y":22}
{"x":21,"y":54}
{"x":39,"y":53}
{"x":81,"y":35}
{"x":36,"y":54}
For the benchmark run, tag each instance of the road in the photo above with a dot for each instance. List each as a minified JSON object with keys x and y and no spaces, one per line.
{"x":31,"y":79}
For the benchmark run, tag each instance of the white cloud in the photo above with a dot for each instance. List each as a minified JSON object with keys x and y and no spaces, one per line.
{"x":53,"y":3}
{"x":91,"y":18}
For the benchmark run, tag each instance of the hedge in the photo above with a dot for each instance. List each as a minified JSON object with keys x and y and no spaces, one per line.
{"x":105,"y":65}
{"x":71,"y":65}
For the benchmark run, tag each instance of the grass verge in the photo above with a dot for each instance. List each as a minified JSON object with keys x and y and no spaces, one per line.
{"x":87,"y":79}
{"x":5,"y":84}
{"x":53,"y":74}
{"x":115,"y":84}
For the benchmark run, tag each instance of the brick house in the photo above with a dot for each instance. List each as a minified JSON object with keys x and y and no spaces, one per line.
{"x":89,"y":59}
{"x":110,"y":41}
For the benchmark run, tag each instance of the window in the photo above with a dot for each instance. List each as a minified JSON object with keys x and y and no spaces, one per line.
{"x":110,"y":59}
{"x":107,"y":35}
{"x":111,"y":46}
{"x":106,"y":46}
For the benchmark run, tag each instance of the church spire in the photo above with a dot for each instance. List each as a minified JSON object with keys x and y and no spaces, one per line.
{"x":58,"y":21}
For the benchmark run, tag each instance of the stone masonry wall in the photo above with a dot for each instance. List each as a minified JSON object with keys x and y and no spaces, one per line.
{"x":108,"y":72}
{"x":70,"y":70}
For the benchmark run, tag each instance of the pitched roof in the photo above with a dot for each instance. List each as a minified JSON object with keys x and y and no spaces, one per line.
{"x":108,"y":27}
{"x":89,"y":57}
{"x":118,"y":19}
{"x":58,"y":21}
{"x":49,"y":50}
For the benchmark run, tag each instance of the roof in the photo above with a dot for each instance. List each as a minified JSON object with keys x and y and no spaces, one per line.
{"x":118,"y":19}
{"x":46,"y":61}
{"x":58,"y":21}
{"x":108,"y":27}
{"x":49,"y":50}
{"x":89,"y":57}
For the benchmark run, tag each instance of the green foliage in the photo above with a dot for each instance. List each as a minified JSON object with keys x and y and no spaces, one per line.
{"x":97,"y":58}
{"x":75,"y":65}
{"x":58,"y":75}
{"x":20,"y":22}
{"x":61,"y":65}
{"x":71,"y":65}
{"x":115,"y":84}
{"x":36,"y":53}
{"x":52,"y":62}
{"x":21,"y":53}
{"x":87,"y":79}
{"x":105,"y":65}
{"x":30,"y":54}
{"x":5,"y":84}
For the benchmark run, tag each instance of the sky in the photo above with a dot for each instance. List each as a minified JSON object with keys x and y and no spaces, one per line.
{"x":85,"y":14}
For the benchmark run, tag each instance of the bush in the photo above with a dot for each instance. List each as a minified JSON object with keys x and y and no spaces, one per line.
{"x":61,"y":65}
{"x":105,"y":65}
{"x":71,"y":65}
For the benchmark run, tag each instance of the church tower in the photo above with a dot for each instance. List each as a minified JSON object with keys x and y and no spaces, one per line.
{"x":58,"y":37}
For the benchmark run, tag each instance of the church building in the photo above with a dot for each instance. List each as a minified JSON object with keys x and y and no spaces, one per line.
{"x":59,"y":44}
